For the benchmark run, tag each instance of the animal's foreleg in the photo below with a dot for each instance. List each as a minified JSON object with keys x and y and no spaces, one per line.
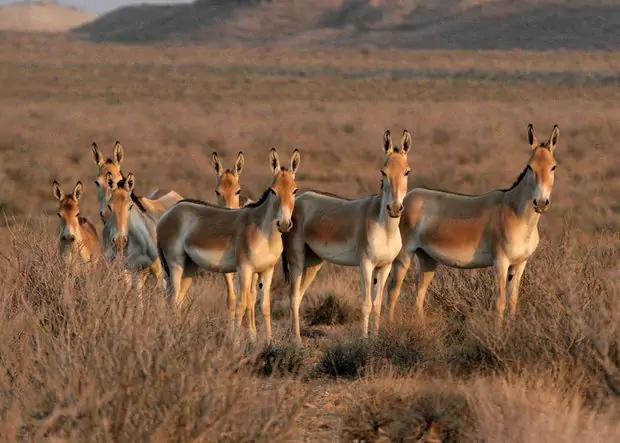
{"x":514,"y":285}
{"x":231,"y":301}
{"x":265,"y":297}
{"x":500,"y":269}
{"x":366,"y":276}
{"x":381,"y":275}
{"x":245,"y":280}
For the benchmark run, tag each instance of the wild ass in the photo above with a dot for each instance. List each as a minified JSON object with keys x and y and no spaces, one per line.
{"x":362,"y":232}
{"x":156,"y":203}
{"x":228,"y":193}
{"x":129,"y":231}
{"x":193,"y":235}
{"x":78,"y":237}
{"x":498,"y":229}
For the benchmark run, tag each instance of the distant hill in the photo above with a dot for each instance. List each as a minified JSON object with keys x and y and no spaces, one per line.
{"x":420,"y":24}
{"x":41,"y":16}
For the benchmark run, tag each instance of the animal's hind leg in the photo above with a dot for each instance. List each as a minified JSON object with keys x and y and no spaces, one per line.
{"x":266,"y":277}
{"x":400,"y":266}
{"x":186,"y":280}
{"x":251,"y":308}
{"x":245,"y":280}
{"x":425,"y":276}
{"x":231,"y":300}
{"x":500,"y":268}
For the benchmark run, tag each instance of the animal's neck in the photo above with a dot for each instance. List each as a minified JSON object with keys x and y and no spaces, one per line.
{"x":389,"y":223}
{"x":520,"y":200}
{"x":267,"y":215}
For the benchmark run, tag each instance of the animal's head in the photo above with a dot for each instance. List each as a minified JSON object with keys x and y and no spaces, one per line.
{"x":284,"y":187}
{"x":107,"y":166}
{"x":395,"y":172}
{"x":68,"y":212}
{"x":541,"y":168}
{"x":227,"y":186}
{"x":119,"y":207}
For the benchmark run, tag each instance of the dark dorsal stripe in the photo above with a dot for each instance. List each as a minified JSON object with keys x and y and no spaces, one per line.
{"x":200,"y":202}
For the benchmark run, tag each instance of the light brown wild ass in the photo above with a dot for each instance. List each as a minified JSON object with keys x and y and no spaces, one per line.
{"x":130,"y":232}
{"x":362,"y":232}
{"x":228,"y":193}
{"x":78,"y":237}
{"x":498,"y":229}
{"x":193,"y":235}
{"x":156,"y":203}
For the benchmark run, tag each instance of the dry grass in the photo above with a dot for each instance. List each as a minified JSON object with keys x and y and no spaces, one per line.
{"x":81,"y":359}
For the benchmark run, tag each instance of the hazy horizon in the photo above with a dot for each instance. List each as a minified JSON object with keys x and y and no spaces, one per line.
{"x":99,"y":6}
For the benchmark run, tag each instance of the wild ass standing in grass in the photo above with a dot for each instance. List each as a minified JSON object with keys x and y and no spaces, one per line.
{"x":78,"y":237}
{"x":156,"y":203}
{"x":130,"y":232}
{"x":499,"y":229}
{"x":362,"y":232}
{"x":228,"y":193}
{"x":194,"y":234}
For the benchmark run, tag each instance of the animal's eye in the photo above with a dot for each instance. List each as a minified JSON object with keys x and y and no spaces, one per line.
{"x":295,"y":191}
{"x":110,"y":208}
{"x":217,"y":193}
{"x":553,"y":168}
{"x":77,"y":215}
{"x":407,"y":173}
{"x":272,"y":190}
{"x":96,"y":183}
{"x":238,"y":192}
{"x":130,"y":207}
{"x":58,"y":214}
{"x":383,"y":174}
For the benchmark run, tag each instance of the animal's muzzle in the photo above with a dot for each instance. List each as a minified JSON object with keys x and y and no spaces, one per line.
{"x":395,"y":211}
{"x":120,"y":241}
{"x":284,"y":227}
{"x":541,"y":205}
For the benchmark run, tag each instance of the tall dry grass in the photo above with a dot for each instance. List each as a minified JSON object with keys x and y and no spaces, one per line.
{"x":82,"y":360}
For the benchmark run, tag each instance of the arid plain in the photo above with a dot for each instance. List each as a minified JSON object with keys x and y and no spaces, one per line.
{"x":80,"y":358}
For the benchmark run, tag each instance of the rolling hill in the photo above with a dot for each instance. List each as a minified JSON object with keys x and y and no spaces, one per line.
{"x":41,"y":16}
{"x":420,"y":24}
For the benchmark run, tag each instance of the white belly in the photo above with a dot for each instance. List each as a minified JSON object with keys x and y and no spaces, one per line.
{"x":343,"y":253}
{"x":213,"y":260}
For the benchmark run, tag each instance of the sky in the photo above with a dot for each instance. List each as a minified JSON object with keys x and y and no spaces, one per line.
{"x":99,"y":6}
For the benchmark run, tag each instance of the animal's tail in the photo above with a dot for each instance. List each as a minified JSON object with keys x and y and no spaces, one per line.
{"x":285,"y":264}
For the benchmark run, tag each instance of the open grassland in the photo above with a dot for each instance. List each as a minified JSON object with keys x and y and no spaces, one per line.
{"x":81,"y":359}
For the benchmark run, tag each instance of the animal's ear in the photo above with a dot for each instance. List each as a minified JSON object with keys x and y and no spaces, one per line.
{"x":77,"y":191}
{"x":97,"y":155}
{"x":295,"y":159}
{"x":239,"y":164}
{"x":57,"y":190}
{"x":130,"y":182}
{"x":387,"y":142}
{"x":531,"y":137}
{"x":555,"y":136}
{"x":274,"y":160}
{"x":119,"y":153}
{"x":405,"y":144}
{"x":217,"y":164}
{"x":110,"y":181}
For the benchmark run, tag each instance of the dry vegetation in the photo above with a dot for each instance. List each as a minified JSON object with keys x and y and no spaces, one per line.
{"x":81,"y":359}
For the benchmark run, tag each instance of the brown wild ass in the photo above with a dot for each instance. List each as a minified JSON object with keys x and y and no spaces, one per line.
{"x":362,"y":232}
{"x":498,"y":229}
{"x":130,"y":232}
{"x":78,"y":237}
{"x":193,"y":235}
{"x":228,"y":193}
{"x":156,"y":203}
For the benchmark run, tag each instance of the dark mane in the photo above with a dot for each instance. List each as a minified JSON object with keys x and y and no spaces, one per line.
{"x":134,"y":198}
{"x":514,"y":185}
{"x":518,"y":180}
{"x":260,"y":201}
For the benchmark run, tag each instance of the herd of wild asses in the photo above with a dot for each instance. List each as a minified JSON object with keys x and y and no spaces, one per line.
{"x":172,"y":237}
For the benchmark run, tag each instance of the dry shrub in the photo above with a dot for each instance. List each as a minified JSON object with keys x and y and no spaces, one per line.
{"x":409,"y":410}
{"x":329,"y":309}
{"x":280,"y":359}
{"x":82,"y":360}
